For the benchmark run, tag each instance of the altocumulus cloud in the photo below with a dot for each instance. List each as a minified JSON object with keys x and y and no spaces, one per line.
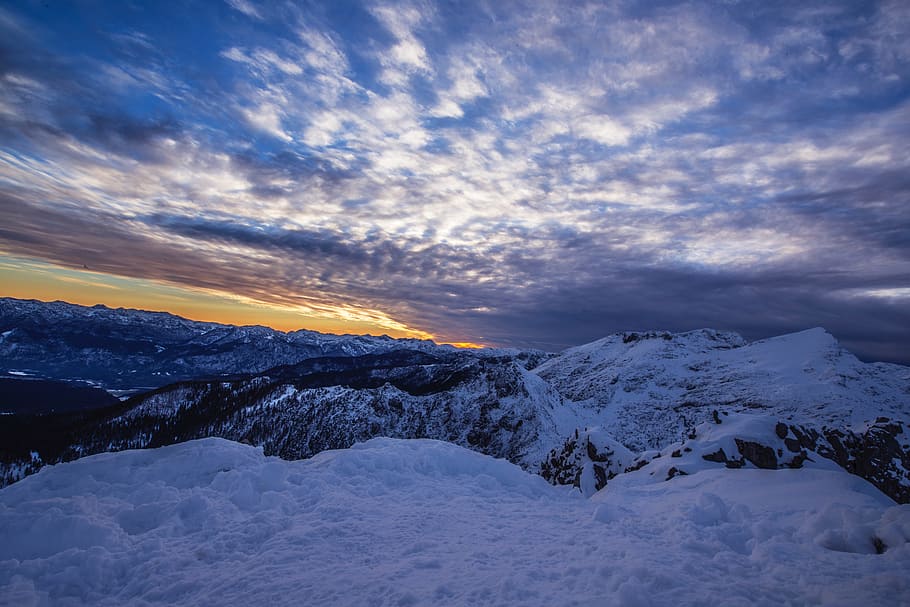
{"x":518,"y":173}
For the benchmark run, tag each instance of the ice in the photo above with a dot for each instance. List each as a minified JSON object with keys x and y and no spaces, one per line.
{"x":421,"y":522}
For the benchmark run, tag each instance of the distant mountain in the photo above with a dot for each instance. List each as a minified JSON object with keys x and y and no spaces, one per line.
{"x":122,"y":349}
{"x":581,"y":417}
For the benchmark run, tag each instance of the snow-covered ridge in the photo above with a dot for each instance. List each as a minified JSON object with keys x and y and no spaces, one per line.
{"x":423,"y":522}
{"x":650,"y":392}
{"x":649,"y":389}
{"x":580,"y":417}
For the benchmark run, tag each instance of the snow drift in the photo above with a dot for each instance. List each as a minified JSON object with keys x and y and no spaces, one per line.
{"x":421,"y":522}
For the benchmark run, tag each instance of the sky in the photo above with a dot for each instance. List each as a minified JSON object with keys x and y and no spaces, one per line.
{"x":531,"y":174}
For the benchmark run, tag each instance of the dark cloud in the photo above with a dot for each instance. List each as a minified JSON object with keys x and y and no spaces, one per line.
{"x":518,"y":173}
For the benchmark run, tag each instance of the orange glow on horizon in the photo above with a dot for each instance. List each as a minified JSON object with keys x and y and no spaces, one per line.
{"x":34,"y":279}
{"x":464,"y":344}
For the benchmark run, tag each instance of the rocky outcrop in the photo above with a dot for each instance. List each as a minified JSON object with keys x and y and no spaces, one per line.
{"x":880,"y":454}
{"x":588,"y":460}
{"x":757,"y":454}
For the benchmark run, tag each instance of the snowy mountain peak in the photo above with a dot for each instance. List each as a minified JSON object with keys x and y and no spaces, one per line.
{"x":579,"y":417}
{"x":646,"y":389}
{"x":794,"y":348}
{"x":636,"y":344}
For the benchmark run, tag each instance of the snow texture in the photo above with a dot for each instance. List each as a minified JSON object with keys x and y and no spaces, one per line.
{"x":649,"y":389}
{"x":421,"y":522}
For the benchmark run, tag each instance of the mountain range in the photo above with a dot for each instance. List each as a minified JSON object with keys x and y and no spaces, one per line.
{"x":668,"y":403}
{"x":133,"y":350}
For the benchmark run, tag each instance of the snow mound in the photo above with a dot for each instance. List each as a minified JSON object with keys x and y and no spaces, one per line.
{"x":392,"y":522}
{"x":393,"y":464}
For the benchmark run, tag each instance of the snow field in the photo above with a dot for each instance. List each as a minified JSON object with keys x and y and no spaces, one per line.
{"x":419,"y":522}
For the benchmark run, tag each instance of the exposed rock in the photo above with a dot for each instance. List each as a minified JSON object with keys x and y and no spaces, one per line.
{"x":879,"y":545}
{"x":600,"y":477}
{"x":797,"y":461}
{"x":587,"y":460}
{"x":793,"y":445}
{"x":758,"y":454}
{"x":876,"y":455}
{"x":638,"y":465}
{"x":718,"y":456}
{"x":674,"y":471}
{"x":593,"y":454}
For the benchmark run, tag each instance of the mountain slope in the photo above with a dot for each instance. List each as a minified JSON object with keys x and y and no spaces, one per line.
{"x":650,"y":389}
{"x":492,"y":405}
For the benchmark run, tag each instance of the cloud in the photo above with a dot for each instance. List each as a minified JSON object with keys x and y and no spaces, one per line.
{"x":246,"y":7}
{"x":407,"y":54}
{"x":530,"y":173}
{"x":266,"y":117}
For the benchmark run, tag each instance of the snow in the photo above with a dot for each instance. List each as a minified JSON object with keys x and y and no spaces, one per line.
{"x":646,"y":388}
{"x":421,"y":522}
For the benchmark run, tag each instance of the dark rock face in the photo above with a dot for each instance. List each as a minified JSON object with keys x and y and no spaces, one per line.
{"x":797,"y":461}
{"x":674,"y":472}
{"x":792,"y":444}
{"x":759,"y":455}
{"x":718,"y":456}
{"x":563,"y":467}
{"x":876,"y":455}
